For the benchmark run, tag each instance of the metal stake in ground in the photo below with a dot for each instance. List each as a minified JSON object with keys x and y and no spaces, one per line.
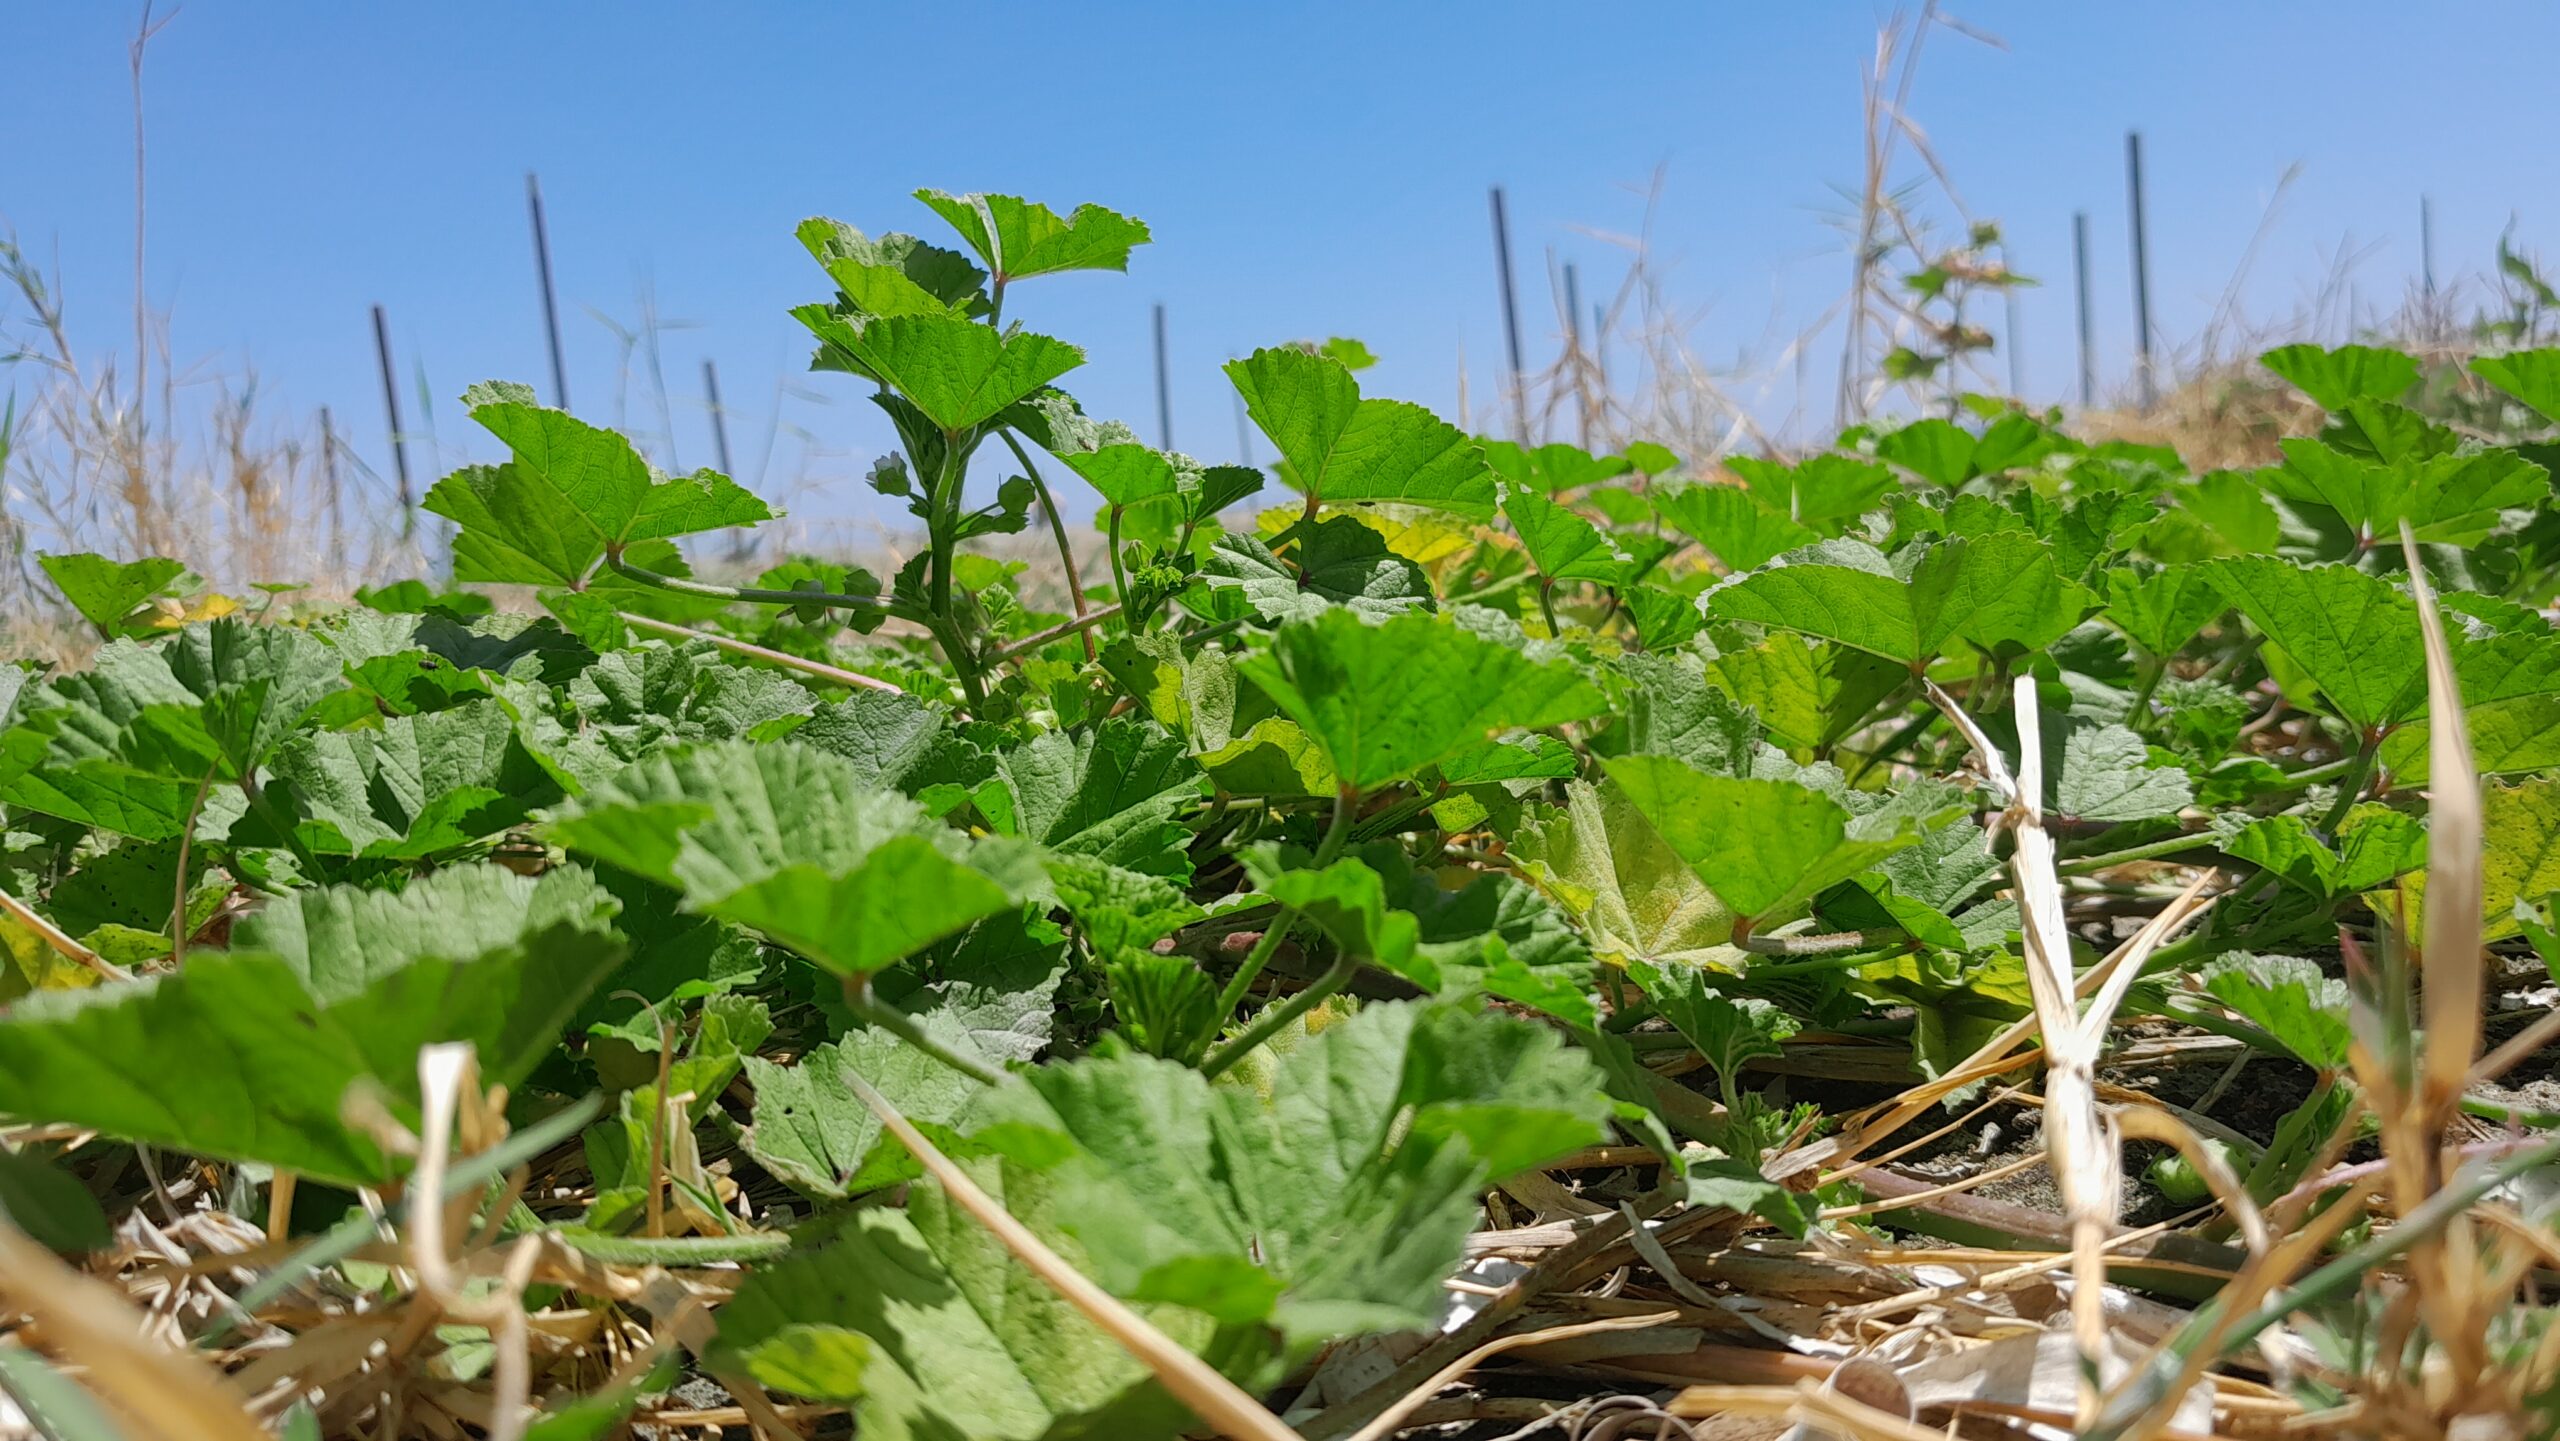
{"x":550,"y":302}
{"x":1573,"y":343}
{"x":2017,"y":356}
{"x":1164,"y":390}
{"x":2427,"y":245}
{"x":399,"y":435}
{"x":2080,"y":286}
{"x":740,"y":540}
{"x":2141,"y":268}
{"x":1510,"y":317}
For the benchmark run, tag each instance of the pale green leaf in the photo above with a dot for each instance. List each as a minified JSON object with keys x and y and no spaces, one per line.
{"x":1386,"y":701}
{"x":1345,"y":450}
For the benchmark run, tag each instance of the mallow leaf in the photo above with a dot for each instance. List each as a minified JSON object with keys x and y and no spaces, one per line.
{"x":1765,"y":846}
{"x":1111,"y":792}
{"x":2337,"y":378}
{"x":246,"y":1055}
{"x":895,"y":274}
{"x":809,"y":1129}
{"x":1337,"y":563}
{"x":106,"y":592}
{"x":1824,"y":492}
{"x":1554,"y":467}
{"x":2104,"y":773}
{"x":1349,"y":901}
{"x":2163,"y":610}
{"x":1019,"y":238}
{"x":794,"y":842}
{"x":124,"y":744}
{"x":1385,"y":701}
{"x":1345,"y":450}
{"x":1561,"y":544}
{"x":1331,"y":1203}
{"x":414,"y":786}
{"x":2531,"y":376}
{"x":956,"y":372}
{"x":1935,"y":449}
{"x":1733,"y":523}
{"x":2520,"y":860}
{"x":2356,"y":635}
{"x":2289,"y":998}
{"x":2375,"y":844}
{"x":1636,"y":898}
{"x":1997,"y":589}
{"x":935,"y":1332}
{"x":572,"y":492}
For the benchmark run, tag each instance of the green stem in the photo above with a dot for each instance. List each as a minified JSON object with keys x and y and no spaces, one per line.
{"x":1474,"y":597}
{"x":1085,"y":621}
{"x":1547,"y":606}
{"x":1212,"y":632}
{"x":2351,"y":785}
{"x":2138,"y":714}
{"x":1119,"y":574}
{"x":1242,"y":982}
{"x":2148,"y":850}
{"x":1896,"y":743}
{"x":2178,"y":953}
{"x":945,"y":507}
{"x":872,"y":1011}
{"x":1278,"y":1018}
{"x":178,"y":905}
{"x":2314,"y":776}
{"x":1345,"y":800}
{"x":614,"y":562}
{"x":1057,"y":530}
{"x":945,"y":527}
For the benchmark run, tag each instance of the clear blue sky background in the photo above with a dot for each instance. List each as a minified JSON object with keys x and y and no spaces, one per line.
{"x":1308,"y":168}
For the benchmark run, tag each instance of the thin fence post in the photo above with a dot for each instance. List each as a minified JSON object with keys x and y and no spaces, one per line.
{"x":2427,"y":263}
{"x":1164,"y":389}
{"x":719,"y":417}
{"x":1600,"y":343}
{"x":550,"y":301}
{"x":1573,"y":342}
{"x":2141,"y":270}
{"x":741,"y":540}
{"x":1510,"y":318}
{"x":2017,"y":354}
{"x":329,"y":478}
{"x":2080,"y":287}
{"x":399,"y":433}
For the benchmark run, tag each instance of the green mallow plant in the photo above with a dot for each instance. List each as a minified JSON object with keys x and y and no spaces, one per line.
{"x":1318,"y":867}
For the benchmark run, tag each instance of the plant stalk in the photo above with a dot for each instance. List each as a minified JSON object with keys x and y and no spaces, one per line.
{"x":1057,"y":531}
{"x":1278,"y":1018}
{"x":858,"y":998}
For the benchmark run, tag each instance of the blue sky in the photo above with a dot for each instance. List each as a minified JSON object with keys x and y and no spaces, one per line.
{"x":1309,"y":169}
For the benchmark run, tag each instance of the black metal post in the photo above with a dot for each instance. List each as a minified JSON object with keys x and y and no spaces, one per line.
{"x":550,"y":302}
{"x":2080,"y":286}
{"x":391,"y":408}
{"x":719,"y":417}
{"x":1164,"y":389}
{"x":2141,"y":269}
{"x":1510,"y":318}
